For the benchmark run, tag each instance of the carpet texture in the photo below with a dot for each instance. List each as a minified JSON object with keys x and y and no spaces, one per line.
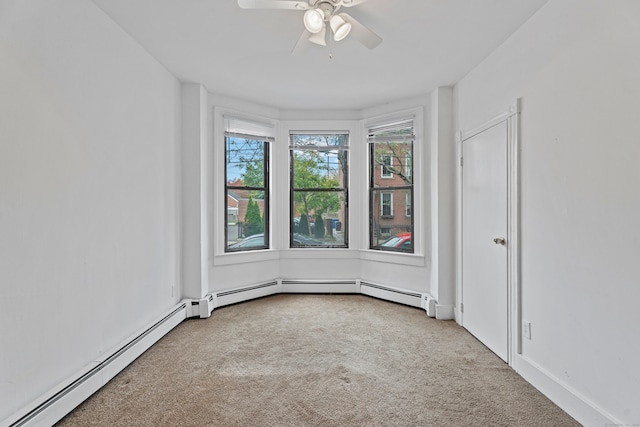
{"x":318,"y":360}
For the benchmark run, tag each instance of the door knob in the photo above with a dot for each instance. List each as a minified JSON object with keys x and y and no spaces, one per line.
{"x":500,"y":241}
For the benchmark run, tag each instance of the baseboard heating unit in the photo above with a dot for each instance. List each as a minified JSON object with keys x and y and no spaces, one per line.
{"x":58,"y":402}
{"x":398,"y":295}
{"x":320,"y":286}
{"x":202,"y":307}
{"x":237,"y":295}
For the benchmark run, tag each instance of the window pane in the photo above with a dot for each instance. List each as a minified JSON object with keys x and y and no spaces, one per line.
{"x":319,"y":141}
{"x":392,"y":162}
{"x":247,"y":198}
{"x":245,"y":219}
{"x":391,"y":228}
{"x":319,"y":218}
{"x":319,"y":170}
{"x":391,"y":187}
{"x":245,"y":162}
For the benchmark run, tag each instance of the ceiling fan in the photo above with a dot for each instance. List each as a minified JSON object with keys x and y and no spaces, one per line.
{"x":318,"y":15}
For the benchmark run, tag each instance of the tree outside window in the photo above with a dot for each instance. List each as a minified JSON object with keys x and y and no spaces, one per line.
{"x":318,"y":185}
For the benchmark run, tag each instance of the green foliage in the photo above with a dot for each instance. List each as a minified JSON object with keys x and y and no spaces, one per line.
{"x":312,"y":170}
{"x":252,"y":219}
{"x":318,"y":228}
{"x":303,"y":228}
{"x":253,"y":175}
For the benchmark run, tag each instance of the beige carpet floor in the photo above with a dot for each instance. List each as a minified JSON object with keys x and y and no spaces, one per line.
{"x":318,"y":360}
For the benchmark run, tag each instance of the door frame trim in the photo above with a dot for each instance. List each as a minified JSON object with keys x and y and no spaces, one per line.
{"x":514,"y":321}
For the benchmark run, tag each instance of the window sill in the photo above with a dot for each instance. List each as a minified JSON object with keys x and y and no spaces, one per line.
{"x":230,"y":258}
{"x":320,"y":253}
{"x":393,"y":257}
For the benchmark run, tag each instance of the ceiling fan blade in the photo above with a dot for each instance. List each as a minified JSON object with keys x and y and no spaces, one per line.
{"x":349,"y":3}
{"x":361,"y":33}
{"x":301,"y":43}
{"x":273,"y":4}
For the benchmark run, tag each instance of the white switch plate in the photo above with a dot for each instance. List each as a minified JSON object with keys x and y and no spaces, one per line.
{"x":526,"y":329}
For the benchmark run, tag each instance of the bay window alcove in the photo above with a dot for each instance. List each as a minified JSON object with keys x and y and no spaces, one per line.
{"x":342,"y":203}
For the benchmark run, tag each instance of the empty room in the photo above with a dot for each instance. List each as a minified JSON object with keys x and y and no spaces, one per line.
{"x":277,"y":212}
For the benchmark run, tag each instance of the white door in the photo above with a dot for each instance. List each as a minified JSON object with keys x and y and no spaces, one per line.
{"x":484,"y":234}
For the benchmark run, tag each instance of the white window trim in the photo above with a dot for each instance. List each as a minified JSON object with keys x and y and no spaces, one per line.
{"x":382,"y":194}
{"x":420,"y":202}
{"x":356,"y":151}
{"x":408,"y":204}
{"x":383,"y":165}
{"x":217,"y":180}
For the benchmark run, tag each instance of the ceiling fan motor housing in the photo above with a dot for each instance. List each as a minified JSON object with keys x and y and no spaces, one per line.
{"x":313,"y":3}
{"x":328,"y":7}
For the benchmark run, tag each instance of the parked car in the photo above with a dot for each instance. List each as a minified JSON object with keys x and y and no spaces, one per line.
{"x":253,"y":241}
{"x":257,"y":240}
{"x":399,"y":241}
{"x":302,"y":240}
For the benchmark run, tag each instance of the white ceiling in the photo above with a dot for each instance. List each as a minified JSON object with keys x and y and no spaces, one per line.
{"x":246,"y":54}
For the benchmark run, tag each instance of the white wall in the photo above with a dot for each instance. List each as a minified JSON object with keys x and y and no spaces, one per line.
{"x":89,"y":125}
{"x":442,"y":160}
{"x":194,"y":187}
{"x":576,"y":66}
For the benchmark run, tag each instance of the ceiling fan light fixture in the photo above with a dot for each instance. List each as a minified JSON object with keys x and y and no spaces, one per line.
{"x":340,"y":27}
{"x":319,"y":37}
{"x":314,"y":20}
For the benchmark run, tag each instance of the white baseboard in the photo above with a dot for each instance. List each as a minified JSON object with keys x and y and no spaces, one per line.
{"x":399,"y":295}
{"x":579,"y":407}
{"x":428,"y":303}
{"x":59,"y":401}
{"x":445,"y":312}
{"x":234,"y":296}
{"x":320,"y":286}
{"x":202,"y":307}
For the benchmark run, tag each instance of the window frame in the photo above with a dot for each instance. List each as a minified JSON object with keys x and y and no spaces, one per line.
{"x":386,"y":166}
{"x":382,"y":204}
{"x":408,"y":204}
{"x":400,"y":130}
{"x":252,"y":132}
{"x":344,"y":188}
